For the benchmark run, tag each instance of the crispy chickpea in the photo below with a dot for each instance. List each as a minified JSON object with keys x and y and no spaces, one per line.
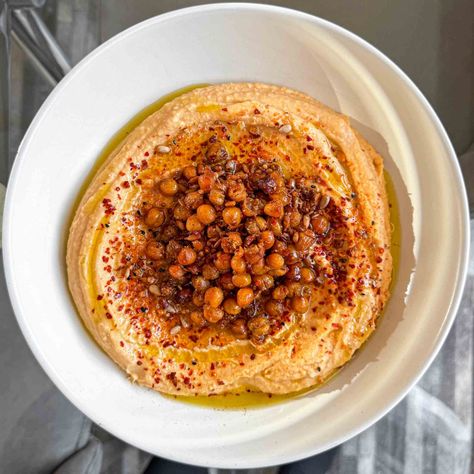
{"x":181,"y":212}
{"x":278,"y":272}
{"x":222,"y":261}
{"x":273,"y":209}
{"x":213,"y":315}
{"x":280,"y":247}
{"x":210,"y":272}
{"x":294,"y":288}
{"x":263,"y":282}
{"x":214,"y":296}
{"x":206,"y":181}
{"x":193,"y":200}
{"x":267,"y":238}
{"x":261,"y":222}
{"x":320,"y":224}
{"x":305,"y":240}
{"x":197,"y":318}
{"x":232,"y":216}
{"x":307,"y":275}
{"x":300,"y":304}
{"x":187,"y":256}
{"x":206,"y":214}
{"x":155,"y":217}
{"x":155,"y":250}
{"x":280,"y":292}
{"x":225,"y":281}
{"x":259,"y":326}
{"x":176,"y":271}
{"x":200,"y":283}
{"x":274,"y":308}
{"x":231,"y":242}
{"x":193,"y":224}
{"x":198,"y":298}
{"x":168,"y":186}
{"x":294,"y":273}
{"x":241,"y":280}
{"x":217,"y":197}
{"x":189,"y":172}
{"x":275,"y":226}
{"x":245,"y":296}
{"x":237,"y":192}
{"x":292,"y":255}
{"x":275,"y":261}
{"x":259,"y":267}
{"x":231,"y":306}
{"x":239,"y":327}
{"x":238,"y":264}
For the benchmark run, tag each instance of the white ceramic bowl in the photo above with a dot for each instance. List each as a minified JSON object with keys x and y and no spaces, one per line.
{"x":237,"y":42}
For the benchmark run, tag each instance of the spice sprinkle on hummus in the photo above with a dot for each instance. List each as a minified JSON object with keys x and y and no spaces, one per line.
{"x":238,"y":237}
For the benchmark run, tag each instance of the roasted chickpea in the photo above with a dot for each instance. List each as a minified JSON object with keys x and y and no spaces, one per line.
{"x":231,"y":307}
{"x":206,"y":214}
{"x":155,"y":217}
{"x":275,"y":226}
{"x":189,"y":172}
{"x":225,"y":281}
{"x":176,"y":271}
{"x":238,"y":264}
{"x":320,"y":224}
{"x":292,"y":255}
{"x":274,"y":308}
{"x":193,"y":200}
{"x":241,"y":280}
{"x":294,"y":273}
{"x":278,"y":272}
{"x":280,"y":292}
{"x":259,"y":326}
{"x":181,"y":212}
{"x":198,"y":298}
{"x":193,"y":224}
{"x":236,"y":191}
{"x":168,"y":186}
{"x":217,"y":197}
{"x":214,"y":296}
{"x":231,"y":242}
{"x":232,"y":216}
{"x":155,"y":250}
{"x":239,"y":327}
{"x":261,"y":222}
{"x":273,"y":209}
{"x":197,"y":318}
{"x":187,"y":256}
{"x":300,"y":304}
{"x":275,"y":261}
{"x":307,"y":275}
{"x":263,"y":282}
{"x":245,"y":296}
{"x":206,"y":181}
{"x":267,"y":238}
{"x":213,"y":315}
{"x":222,"y":261}
{"x":200,"y":283}
{"x":210,"y":272}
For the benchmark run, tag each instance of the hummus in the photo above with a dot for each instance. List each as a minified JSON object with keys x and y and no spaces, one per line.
{"x":239,"y":237}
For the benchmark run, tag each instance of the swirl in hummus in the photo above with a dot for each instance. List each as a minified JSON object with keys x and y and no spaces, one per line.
{"x":238,"y":237}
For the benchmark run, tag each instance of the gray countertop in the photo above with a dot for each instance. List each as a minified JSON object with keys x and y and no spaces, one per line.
{"x":431,"y":430}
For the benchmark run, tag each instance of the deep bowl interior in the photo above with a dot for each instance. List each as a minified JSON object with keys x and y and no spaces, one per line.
{"x":236,"y":43}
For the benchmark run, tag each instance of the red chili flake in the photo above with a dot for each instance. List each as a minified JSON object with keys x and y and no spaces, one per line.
{"x":252,"y":356}
{"x":310,"y":147}
{"x":125,"y":184}
{"x":144,"y":164}
{"x":146,"y":154}
{"x":224,"y":109}
{"x":121,"y":173}
{"x":257,"y":112}
{"x":108,"y":315}
{"x":122,"y":344}
{"x":336,"y":325}
{"x":99,"y":297}
{"x":138,"y":181}
{"x":139,"y":362}
{"x":379,"y":260}
{"x":105,"y":259}
{"x":213,"y":366}
{"x":109,"y":207}
{"x":117,"y":189}
{"x":308,"y":138}
{"x":147,"y":333}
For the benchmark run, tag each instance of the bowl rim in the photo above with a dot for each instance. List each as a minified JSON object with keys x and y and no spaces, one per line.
{"x":290,"y":13}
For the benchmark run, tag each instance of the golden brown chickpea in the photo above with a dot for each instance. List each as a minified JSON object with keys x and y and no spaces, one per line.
{"x":206,"y":181}
{"x":245,"y":296}
{"x":213,"y":315}
{"x":239,"y":327}
{"x":231,"y":242}
{"x":206,"y":214}
{"x":307,"y":275}
{"x":155,"y":250}
{"x":278,"y":272}
{"x":187,"y":256}
{"x":222,"y":261}
{"x":225,"y":281}
{"x":176,"y":271}
{"x":189,"y":172}
{"x":263,"y":282}
{"x":217,"y":197}
{"x":259,"y":268}
{"x":232,"y":216}
{"x":274,"y":308}
{"x":155,"y":217}
{"x":273,"y":209}
{"x":200,"y":283}
{"x":294,"y":273}
{"x":181,"y":212}
{"x":168,"y":186}
{"x":280,"y":292}
{"x":210,"y":272}
{"x":261,"y":222}
{"x":198,"y":298}
{"x":193,"y":224}
{"x":214,"y":296}
{"x":267,"y":238}
{"x":238,"y":264}
{"x":275,"y":226}
{"x":259,"y":326}
{"x":231,"y":306}
{"x":300,"y":304}
{"x":197,"y":318}
{"x":292,"y":255}
{"x":275,"y":261}
{"x":320,"y":224}
{"x":241,"y":280}
{"x":193,"y":200}
{"x":237,"y":192}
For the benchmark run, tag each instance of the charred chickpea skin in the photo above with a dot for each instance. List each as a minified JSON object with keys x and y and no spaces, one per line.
{"x":231,"y":247}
